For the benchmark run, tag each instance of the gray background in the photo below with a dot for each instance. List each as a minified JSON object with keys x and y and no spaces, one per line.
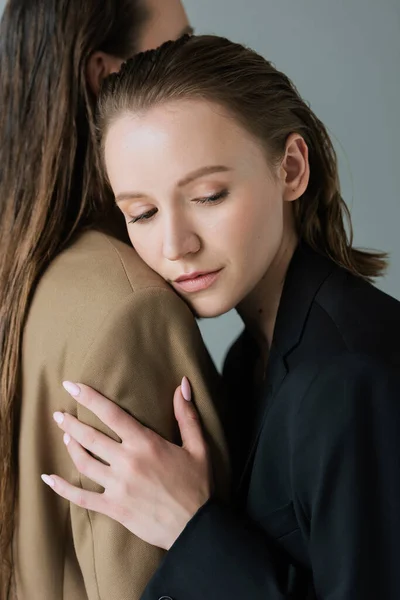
{"x":344,"y":57}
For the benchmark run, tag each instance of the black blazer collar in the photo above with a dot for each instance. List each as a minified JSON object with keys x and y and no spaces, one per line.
{"x":305,"y":276}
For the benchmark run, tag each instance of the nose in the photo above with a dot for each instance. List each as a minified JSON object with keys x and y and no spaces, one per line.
{"x":180,"y":239}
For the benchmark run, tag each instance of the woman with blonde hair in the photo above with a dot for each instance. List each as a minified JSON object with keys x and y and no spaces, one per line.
{"x":245,"y":211}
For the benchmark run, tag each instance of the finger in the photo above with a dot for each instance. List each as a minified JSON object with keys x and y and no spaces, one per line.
{"x":189,"y":422}
{"x":87,"y":465}
{"x":90,"y":438}
{"x":108,"y":412}
{"x":76,"y":495}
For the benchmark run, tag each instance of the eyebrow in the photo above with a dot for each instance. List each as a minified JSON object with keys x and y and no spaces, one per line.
{"x":201,"y":173}
{"x":182,"y":183}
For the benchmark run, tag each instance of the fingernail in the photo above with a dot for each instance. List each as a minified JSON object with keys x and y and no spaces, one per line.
{"x":72,"y":388}
{"x":67,"y":439}
{"x":58,"y":417}
{"x":48,"y":480}
{"x":186,"y":389}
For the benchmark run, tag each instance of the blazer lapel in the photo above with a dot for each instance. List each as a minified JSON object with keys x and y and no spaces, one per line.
{"x":306,"y":274}
{"x":275,"y":375}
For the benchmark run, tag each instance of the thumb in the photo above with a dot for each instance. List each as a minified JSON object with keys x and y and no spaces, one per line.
{"x":188,"y":419}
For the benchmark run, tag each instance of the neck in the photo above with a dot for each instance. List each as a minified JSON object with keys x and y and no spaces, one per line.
{"x":260,"y":308}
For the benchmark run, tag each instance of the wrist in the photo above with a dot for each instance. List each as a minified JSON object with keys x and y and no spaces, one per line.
{"x":183,"y":523}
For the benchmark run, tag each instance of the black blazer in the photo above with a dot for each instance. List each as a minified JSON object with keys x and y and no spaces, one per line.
{"x":316,"y":456}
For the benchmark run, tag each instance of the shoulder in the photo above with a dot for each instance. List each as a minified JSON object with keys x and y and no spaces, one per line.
{"x":96,"y":272}
{"x":106,"y":261}
{"x":367,"y":319}
{"x":93,"y":285}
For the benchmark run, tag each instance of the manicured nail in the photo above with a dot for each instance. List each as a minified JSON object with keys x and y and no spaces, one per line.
{"x":72,"y":388}
{"x":58,"y":417}
{"x":67,"y":439}
{"x":186,"y":389}
{"x":48,"y":480}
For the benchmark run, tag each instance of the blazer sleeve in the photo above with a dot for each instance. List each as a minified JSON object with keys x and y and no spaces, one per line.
{"x":141,"y":352}
{"x":346,"y":460}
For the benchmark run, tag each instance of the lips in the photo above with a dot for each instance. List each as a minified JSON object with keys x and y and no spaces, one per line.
{"x":194,"y":275}
{"x":195,"y":282}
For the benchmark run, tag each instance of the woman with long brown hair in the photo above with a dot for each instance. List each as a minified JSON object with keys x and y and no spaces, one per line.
{"x":245,"y":211}
{"x":73,"y":293}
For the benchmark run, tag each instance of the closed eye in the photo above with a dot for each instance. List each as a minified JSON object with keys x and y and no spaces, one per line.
{"x":144,"y":217}
{"x":206,"y":200}
{"x":213,"y":198}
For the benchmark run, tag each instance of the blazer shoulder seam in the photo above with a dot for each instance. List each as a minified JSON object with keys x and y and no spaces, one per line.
{"x":119,"y":258}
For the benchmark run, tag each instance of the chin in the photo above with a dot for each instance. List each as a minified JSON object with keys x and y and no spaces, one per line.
{"x":207,"y":309}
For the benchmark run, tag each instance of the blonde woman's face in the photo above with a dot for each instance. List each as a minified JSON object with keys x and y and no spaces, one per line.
{"x":202,"y":206}
{"x":167,"y":21}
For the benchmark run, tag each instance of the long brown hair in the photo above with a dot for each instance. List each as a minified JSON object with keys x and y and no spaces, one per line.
{"x":267,"y":104}
{"x":49,"y":173}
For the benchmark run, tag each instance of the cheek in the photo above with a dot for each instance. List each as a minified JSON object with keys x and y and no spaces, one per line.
{"x":255,"y":227}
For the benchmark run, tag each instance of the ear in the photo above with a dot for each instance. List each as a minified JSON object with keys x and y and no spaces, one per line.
{"x":295,"y":168}
{"x":100,"y":65}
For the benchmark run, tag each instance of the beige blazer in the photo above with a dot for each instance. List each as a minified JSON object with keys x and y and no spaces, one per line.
{"x":101,"y":317}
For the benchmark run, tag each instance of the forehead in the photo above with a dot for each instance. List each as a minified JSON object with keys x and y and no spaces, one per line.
{"x":178,"y":136}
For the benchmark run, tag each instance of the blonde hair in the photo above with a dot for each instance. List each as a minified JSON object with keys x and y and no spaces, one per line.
{"x":268,"y":105}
